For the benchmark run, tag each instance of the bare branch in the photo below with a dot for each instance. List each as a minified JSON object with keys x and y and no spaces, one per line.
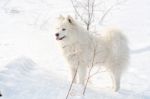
{"x":85,"y":11}
{"x":76,"y":11}
{"x":109,"y":10}
{"x":89,"y":10}
{"x":98,"y":71}
{"x":92,"y":13}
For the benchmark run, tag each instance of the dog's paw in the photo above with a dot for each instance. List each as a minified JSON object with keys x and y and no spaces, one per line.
{"x":115,"y":88}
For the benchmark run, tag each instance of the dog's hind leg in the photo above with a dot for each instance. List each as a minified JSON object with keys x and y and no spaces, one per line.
{"x":115,"y":76}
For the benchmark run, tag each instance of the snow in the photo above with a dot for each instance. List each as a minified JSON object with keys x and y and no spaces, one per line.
{"x":31,"y":65}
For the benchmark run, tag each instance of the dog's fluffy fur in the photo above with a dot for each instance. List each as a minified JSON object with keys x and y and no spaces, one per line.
{"x":82,"y":49}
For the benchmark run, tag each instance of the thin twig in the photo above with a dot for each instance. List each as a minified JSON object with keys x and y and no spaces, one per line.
{"x":78,"y":14}
{"x":91,"y":14}
{"x":107,"y":11}
{"x":88,"y":12}
{"x":95,"y":73}
{"x":81,"y":5}
{"x":72,"y":82}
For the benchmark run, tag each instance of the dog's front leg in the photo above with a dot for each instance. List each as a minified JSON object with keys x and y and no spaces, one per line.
{"x":82,"y":74}
{"x":73,"y":76}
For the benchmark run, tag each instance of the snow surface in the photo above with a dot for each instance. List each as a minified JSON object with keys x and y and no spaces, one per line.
{"x":32,"y":67}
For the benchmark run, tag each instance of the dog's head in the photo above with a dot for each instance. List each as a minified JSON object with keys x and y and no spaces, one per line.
{"x":64,"y":28}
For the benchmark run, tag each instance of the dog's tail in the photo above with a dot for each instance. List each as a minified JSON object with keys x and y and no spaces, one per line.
{"x":117,"y":42}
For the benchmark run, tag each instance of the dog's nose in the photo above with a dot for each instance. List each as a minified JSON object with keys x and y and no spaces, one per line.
{"x":57,"y":34}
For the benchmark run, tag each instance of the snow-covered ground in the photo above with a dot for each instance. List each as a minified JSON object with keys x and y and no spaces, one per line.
{"x":31,"y":66}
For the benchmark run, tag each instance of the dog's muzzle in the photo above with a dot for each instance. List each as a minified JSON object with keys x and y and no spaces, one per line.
{"x":59,"y":38}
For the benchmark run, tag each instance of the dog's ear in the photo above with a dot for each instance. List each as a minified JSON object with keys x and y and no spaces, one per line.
{"x":70,"y":19}
{"x":61,"y":17}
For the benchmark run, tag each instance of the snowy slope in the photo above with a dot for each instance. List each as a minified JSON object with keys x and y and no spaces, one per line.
{"x":23,"y":79}
{"x":26,"y":30}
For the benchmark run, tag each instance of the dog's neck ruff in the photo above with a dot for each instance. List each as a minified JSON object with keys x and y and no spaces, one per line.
{"x":68,"y":45}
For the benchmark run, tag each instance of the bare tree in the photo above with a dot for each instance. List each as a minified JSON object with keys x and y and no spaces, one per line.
{"x":89,"y":10}
{"x":85,"y":11}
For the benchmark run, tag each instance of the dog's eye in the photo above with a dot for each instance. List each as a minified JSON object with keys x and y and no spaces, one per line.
{"x":63,"y":29}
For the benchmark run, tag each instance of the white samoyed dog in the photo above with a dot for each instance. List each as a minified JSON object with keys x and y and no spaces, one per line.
{"x":82,"y":50}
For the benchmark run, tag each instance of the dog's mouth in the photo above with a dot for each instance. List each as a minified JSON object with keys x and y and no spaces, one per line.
{"x":60,"y":38}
